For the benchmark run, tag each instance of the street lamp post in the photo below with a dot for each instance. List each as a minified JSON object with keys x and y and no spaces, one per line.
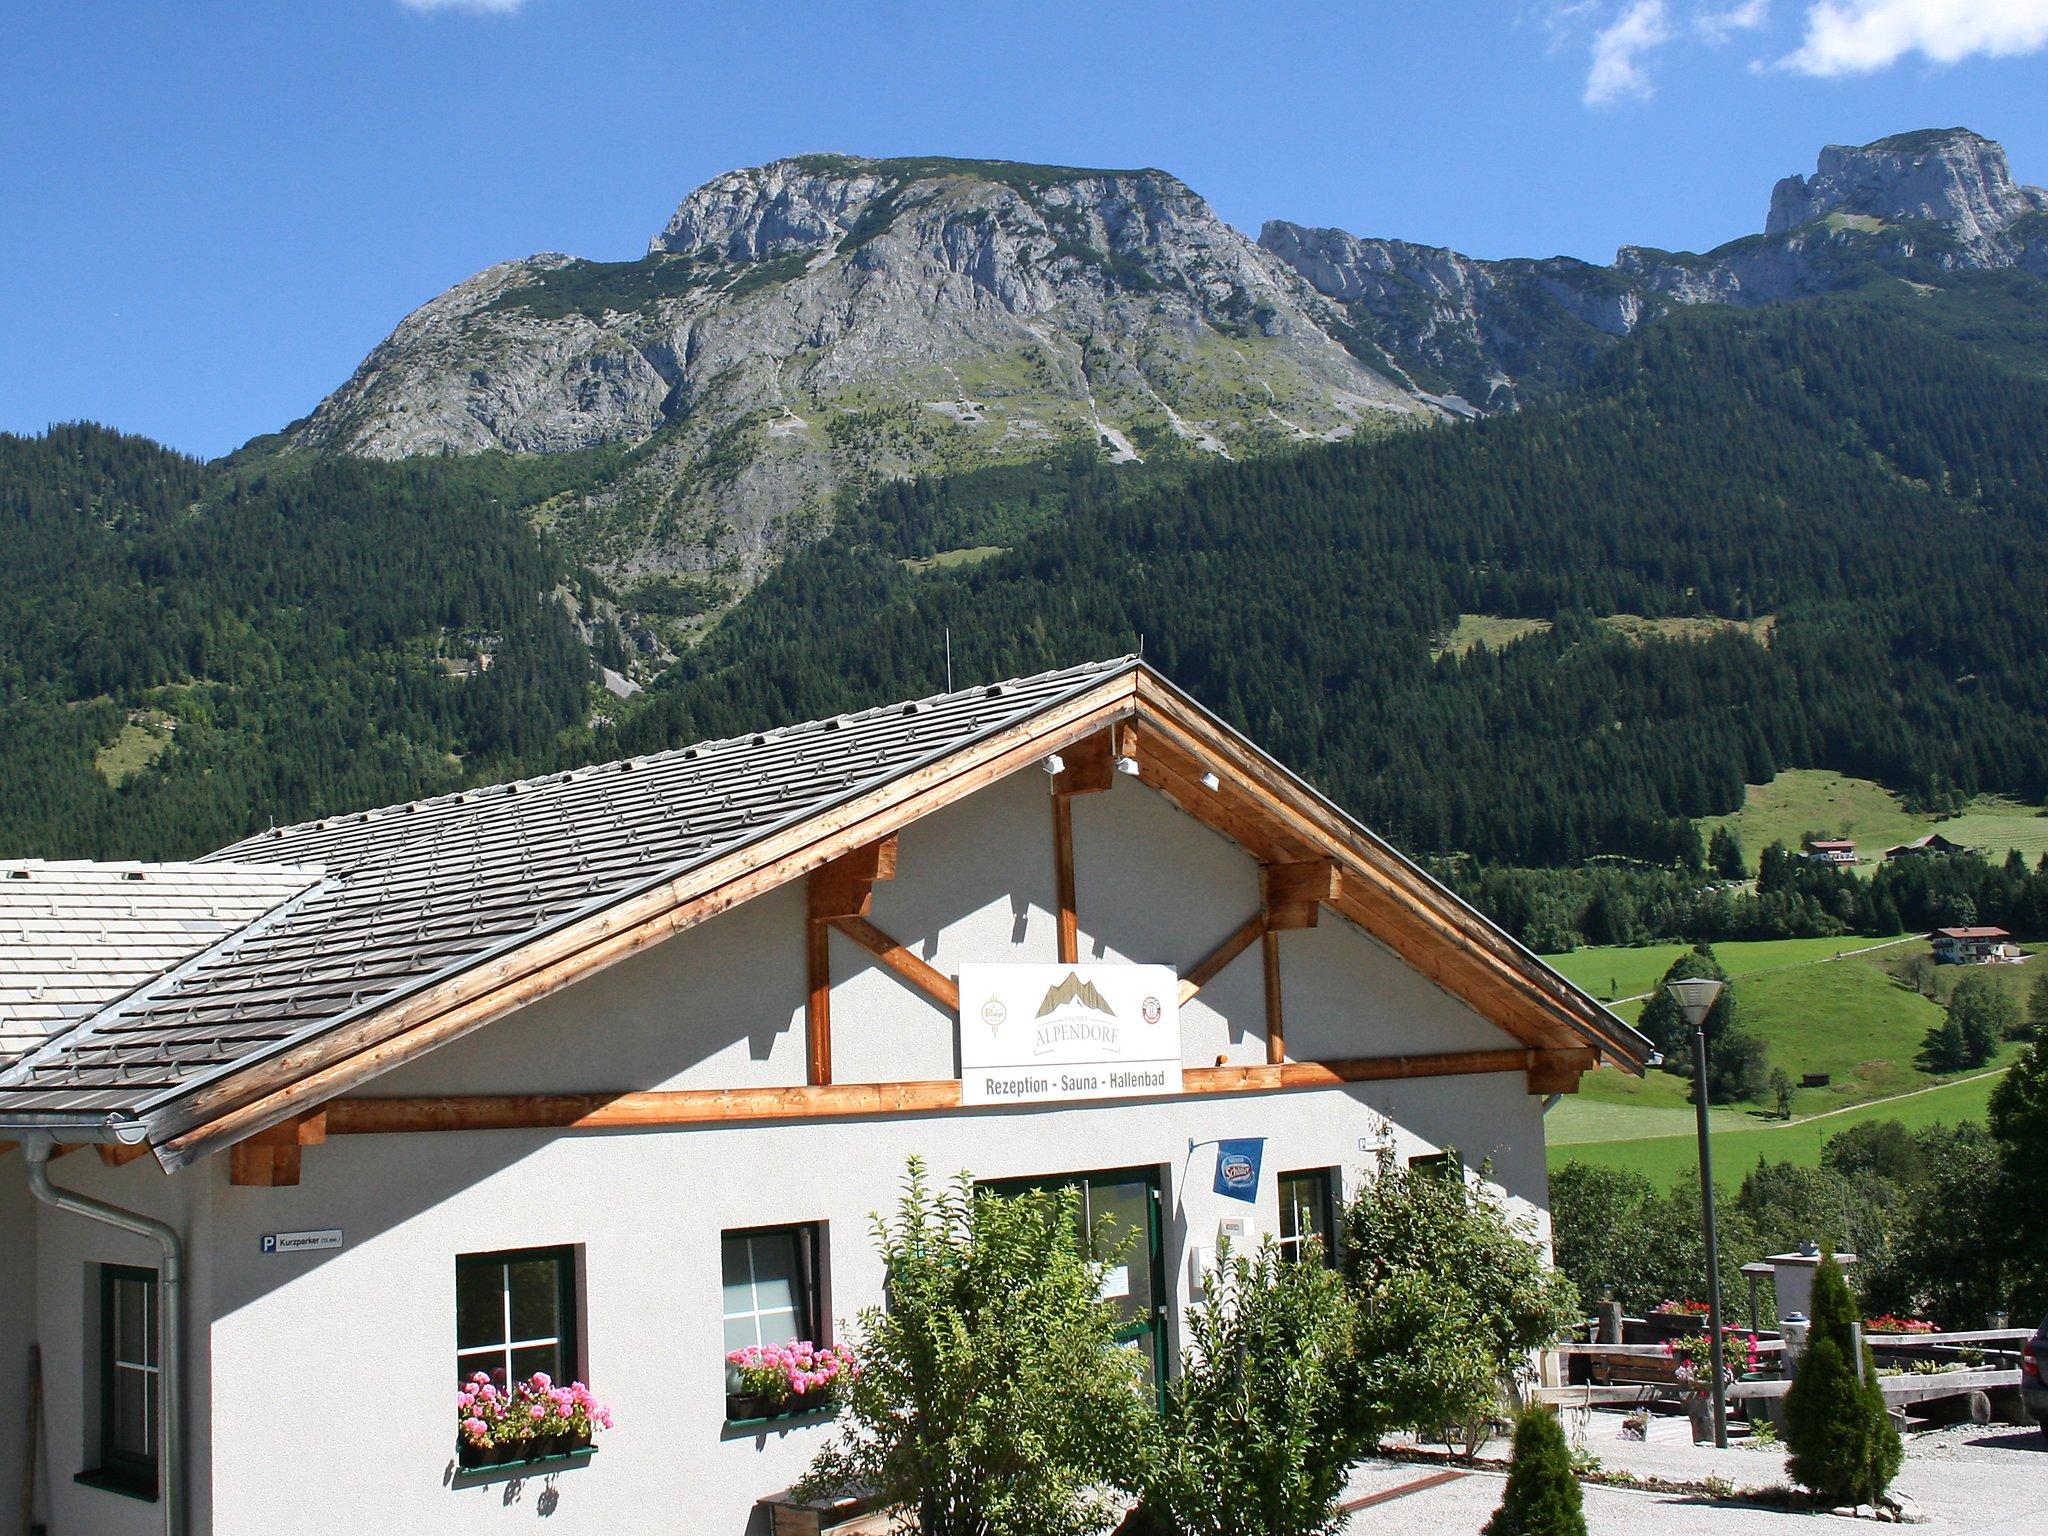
{"x":1695,"y":998}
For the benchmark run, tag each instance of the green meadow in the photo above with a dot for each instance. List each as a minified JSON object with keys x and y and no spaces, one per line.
{"x":1840,"y":1007}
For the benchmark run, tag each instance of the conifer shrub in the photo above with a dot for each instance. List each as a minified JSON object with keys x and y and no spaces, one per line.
{"x":1842,"y":1442}
{"x":1542,"y":1497}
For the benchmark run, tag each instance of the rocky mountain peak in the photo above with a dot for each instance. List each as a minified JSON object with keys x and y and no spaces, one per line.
{"x":811,"y":202}
{"x":1948,"y":175}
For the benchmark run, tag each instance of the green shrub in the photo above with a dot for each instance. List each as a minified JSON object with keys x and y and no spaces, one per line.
{"x":1842,"y":1442}
{"x":993,"y":1399}
{"x":1542,"y":1497}
{"x":1260,"y":1426}
{"x":1473,"y":1264}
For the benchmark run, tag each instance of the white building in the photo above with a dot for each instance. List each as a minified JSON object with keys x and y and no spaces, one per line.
{"x":605,"y":1071}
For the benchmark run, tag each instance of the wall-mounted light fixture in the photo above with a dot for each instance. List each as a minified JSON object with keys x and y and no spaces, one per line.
{"x":1210,"y":782}
{"x":1127,"y":764}
{"x":1053,"y":763}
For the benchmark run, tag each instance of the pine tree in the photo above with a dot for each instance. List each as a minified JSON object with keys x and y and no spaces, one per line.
{"x":1841,"y":1438}
{"x":1542,"y":1497}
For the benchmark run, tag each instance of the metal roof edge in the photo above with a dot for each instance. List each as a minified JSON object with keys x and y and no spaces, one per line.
{"x":16,"y":1074}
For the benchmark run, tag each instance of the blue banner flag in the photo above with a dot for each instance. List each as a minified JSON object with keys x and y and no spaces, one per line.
{"x":1237,"y":1168}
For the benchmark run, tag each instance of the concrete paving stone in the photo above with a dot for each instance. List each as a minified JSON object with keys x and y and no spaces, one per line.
{"x":1969,"y":1480}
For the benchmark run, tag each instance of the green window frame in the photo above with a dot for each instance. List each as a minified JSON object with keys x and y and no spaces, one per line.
{"x":515,"y":1314}
{"x":1308,"y":1209}
{"x":768,"y":1274}
{"x":130,"y":1381}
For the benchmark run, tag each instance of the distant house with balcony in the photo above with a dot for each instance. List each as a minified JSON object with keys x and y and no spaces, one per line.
{"x":1930,"y":846}
{"x":1975,"y":946}
{"x":1829,"y":850}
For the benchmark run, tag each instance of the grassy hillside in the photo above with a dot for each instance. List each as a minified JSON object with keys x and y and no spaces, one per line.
{"x":1854,"y":1015}
{"x":1737,"y":1148}
{"x":1802,"y":800}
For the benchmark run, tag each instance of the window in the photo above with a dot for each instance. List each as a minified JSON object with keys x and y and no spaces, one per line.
{"x":771,"y":1286}
{"x":1308,"y":1209}
{"x":129,"y":1394}
{"x":515,"y":1313}
{"x":1443,"y":1164}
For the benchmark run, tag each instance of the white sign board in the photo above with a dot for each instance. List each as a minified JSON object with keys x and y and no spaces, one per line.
{"x":1030,"y":1033}
{"x":301,"y":1242}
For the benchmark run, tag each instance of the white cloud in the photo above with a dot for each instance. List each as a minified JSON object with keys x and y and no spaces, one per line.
{"x":1620,"y":50}
{"x":1860,"y":37}
{"x":1717,"y":26}
{"x":479,"y":7}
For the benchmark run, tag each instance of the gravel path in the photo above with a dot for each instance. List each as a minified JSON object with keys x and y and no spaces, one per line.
{"x":1967,"y":1481}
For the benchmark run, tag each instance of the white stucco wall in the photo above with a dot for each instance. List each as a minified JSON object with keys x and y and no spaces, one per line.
{"x":17,"y":1322}
{"x":648,"y":1209}
{"x":723,"y":1006}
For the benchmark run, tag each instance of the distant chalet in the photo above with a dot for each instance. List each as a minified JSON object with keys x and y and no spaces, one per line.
{"x":1930,"y":846}
{"x":1830,"y":850}
{"x":1975,"y":946}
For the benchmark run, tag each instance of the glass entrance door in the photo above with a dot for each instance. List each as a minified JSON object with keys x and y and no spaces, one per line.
{"x":1120,"y":1209}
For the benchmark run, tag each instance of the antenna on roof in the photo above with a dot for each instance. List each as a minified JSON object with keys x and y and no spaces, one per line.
{"x":949,"y":658}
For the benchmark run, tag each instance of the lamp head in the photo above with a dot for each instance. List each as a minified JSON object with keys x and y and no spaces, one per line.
{"x":1695,"y":997}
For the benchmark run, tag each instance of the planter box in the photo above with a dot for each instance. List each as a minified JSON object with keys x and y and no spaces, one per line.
{"x":515,"y":1453}
{"x":741,"y":1409}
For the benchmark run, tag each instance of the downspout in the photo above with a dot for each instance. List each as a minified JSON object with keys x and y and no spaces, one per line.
{"x":171,"y":1325}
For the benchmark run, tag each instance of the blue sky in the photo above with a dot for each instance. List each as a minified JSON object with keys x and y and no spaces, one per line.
{"x":213,"y":210}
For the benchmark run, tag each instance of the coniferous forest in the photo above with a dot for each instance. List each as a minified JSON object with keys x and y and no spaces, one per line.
{"x":1806,"y":536}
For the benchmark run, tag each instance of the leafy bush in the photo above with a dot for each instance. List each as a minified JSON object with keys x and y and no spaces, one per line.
{"x":1261,"y":1424}
{"x":1842,"y":1442}
{"x":1424,"y":1361}
{"x":992,"y":1398}
{"x":1542,"y":1497}
{"x":1429,"y":1253}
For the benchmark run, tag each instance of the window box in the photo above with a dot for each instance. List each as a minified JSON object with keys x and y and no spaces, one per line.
{"x":519,"y":1453}
{"x":756,"y":1412}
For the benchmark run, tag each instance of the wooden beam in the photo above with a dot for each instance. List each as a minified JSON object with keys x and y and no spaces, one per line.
{"x":587,"y":1111}
{"x":378,"y":1116}
{"x":1276,"y":1076}
{"x":1276,"y":1028}
{"x":1090,"y":766}
{"x":846,"y":886}
{"x":1063,"y":879}
{"x":270,"y":1159}
{"x":818,"y":1000}
{"x":653,"y":1110}
{"x":1211,"y":965}
{"x":1559,"y":1071}
{"x":940,"y":988}
{"x":117,"y":1154}
{"x":1294,"y":893}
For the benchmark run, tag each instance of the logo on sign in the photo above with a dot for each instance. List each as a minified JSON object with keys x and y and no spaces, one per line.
{"x":1150,"y":1011}
{"x":1074,"y":1013}
{"x":1237,"y":1167}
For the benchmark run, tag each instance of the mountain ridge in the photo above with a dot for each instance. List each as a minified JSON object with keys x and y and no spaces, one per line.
{"x":1920,"y":206}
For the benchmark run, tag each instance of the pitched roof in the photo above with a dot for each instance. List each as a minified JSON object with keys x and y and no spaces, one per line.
{"x":75,"y":937}
{"x":435,"y":917}
{"x":421,"y":890}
